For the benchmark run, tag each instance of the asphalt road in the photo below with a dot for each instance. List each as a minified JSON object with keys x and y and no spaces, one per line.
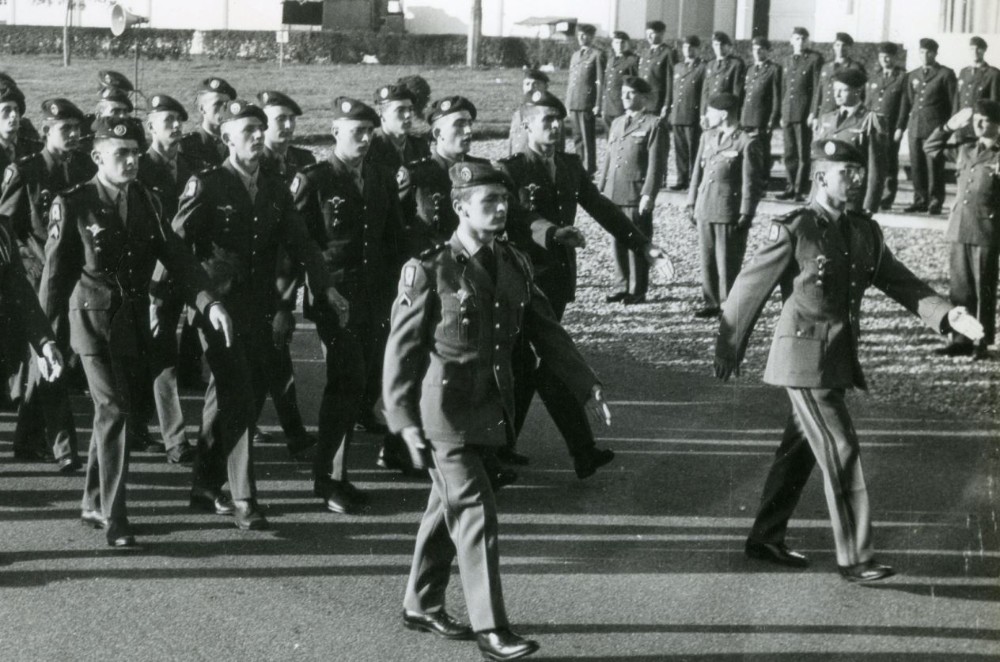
{"x":641,"y":562}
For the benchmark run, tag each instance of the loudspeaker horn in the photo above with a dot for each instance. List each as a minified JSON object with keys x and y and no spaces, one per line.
{"x":122,"y":19}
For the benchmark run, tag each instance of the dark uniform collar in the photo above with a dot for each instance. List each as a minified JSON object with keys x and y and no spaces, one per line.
{"x":826,"y":215}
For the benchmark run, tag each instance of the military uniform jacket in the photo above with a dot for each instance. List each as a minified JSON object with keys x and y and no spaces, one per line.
{"x":635,"y":160}
{"x":977,"y":82}
{"x":975,"y":216}
{"x":927,"y":102}
{"x":156,"y":175}
{"x":98,"y":268}
{"x":22,"y":321}
{"x":448,"y":358}
{"x":296,"y":158}
{"x":384,"y":152}
{"x":824,"y":101}
{"x":586,"y":71}
{"x":726,"y":181}
{"x":799,"y":82}
{"x":687,"y":84}
{"x":556,"y":202}
{"x":518,"y":139}
{"x":727,"y":74}
{"x":823,"y":277}
{"x":202,"y":146}
{"x":762,"y":103}
{"x":656,"y":67}
{"x":23,"y":147}
{"x":885,"y":96}
{"x":864,"y":132}
{"x":619,"y":66}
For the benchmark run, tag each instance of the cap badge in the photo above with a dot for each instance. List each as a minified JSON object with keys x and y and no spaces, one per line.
{"x":345,"y":107}
{"x":264,"y":97}
{"x":214,"y":84}
{"x":830,"y":148}
{"x":54,"y":109}
{"x":537,"y":96}
{"x":119,"y":130}
{"x":235,"y":108}
{"x":384,"y":93}
{"x":446,"y":105}
{"x":155,"y":101}
{"x":466,"y":174}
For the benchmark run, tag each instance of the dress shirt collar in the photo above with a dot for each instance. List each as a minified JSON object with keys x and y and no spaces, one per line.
{"x":470,"y":243}
{"x":246,"y":177}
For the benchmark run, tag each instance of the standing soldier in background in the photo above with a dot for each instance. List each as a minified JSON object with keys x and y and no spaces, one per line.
{"x":656,"y":66}
{"x":886,"y":86}
{"x":206,"y":144}
{"x":726,"y":74}
{"x":27,"y":130}
{"x":762,"y":103}
{"x":633,"y":169}
{"x":927,"y":104}
{"x":622,"y":63}
{"x":13,"y":144}
{"x":977,"y":81}
{"x":723,"y":198}
{"x":799,"y":82}
{"x":418,"y":86}
{"x":393,"y":144}
{"x":823,"y":101}
{"x":685,"y":113}
{"x":586,"y":72}
{"x":518,"y":139}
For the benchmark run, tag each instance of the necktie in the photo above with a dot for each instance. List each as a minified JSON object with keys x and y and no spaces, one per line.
{"x":628,"y":121}
{"x":845,"y":229}
{"x":358,"y":181}
{"x":252,"y":189}
{"x":841,"y":117}
{"x":121,"y":202}
{"x":172,"y":165}
{"x":485,"y":257}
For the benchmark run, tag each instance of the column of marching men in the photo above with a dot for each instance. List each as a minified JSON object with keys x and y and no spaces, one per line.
{"x":137,"y":238}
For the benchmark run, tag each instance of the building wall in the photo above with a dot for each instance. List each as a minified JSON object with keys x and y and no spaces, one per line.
{"x":788,"y":14}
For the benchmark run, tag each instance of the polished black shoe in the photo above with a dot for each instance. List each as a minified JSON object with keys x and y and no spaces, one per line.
{"x":799,"y":197}
{"x":300,"y":443}
{"x":775,"y":553}
{"x":981,"y":354}
{"x":69,"y":464}
{"x":248,"y":515}
{"x":587,"y":464}
{"x":440,"y":623}
{"x":885,"y":206}
{"x":261,"y":437}
{"x":616,"y":297}
{"x":93,"y":518}
{"x":120,"y":536}
{"x":707,"y":313}
{"x":358,"y":496}
{"x":211,"y":501}
{"x":869,"y":571}
{"x":182,"y":454}
{"x":502,"y":644}
{"x":33,"y":455}
{"x":680,"y":186}
{"x":915,"y":208}
{"x":508,"y":455}
{"x":335,"y":495}
{"x":634,"y":299}
{"x":502,"y":478}
{"x":787,"y":194}
{"x":955,"y":349}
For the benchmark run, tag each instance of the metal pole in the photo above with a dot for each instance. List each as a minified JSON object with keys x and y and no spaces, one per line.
{"x":475,"y":30}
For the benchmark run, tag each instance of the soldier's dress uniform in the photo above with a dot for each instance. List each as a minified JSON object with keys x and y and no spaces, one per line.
{"x":858,"y":127}
{"x":823,"y":101}
{"x":386,"y":153}
{"x":634,"y":164}
{"x":824,"y":262}
{"x":586,"y":71}
{"x":926,"y":105}
{"x":656,"y":68}
{"x":725,"y":75}
{"x":685,"y":116}
{"x":799,"y":82}
{"x":727,"y":184}
{"x":517,"y":140}
{"x":762,"y":107}
{"x":619,"y":67}
{"x":884,"y":98}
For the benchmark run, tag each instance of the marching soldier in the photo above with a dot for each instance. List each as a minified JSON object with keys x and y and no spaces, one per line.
{"x":418,"y":86}
{"x":633,"y":169}
{"x":105,"y":238}
{"x":27,"y":130}
{"x":886,"y":86}
{"x":518,"y":137}
{"x":726,"y":74}
{"x":279,"y":153}
{"x":973,"y":232}
{"x":352,"y":210}
{"x":824,"y":256}
{"x":461,"y":309}
{"x":14,"y":144}
{"x":586,"y":73}
{"x":685,"y":113}
{"x":762,"y":101}
{"x":824,"y":101}
{"x":977,"y":81}
{"x":799,"y":82}
{"x":622,"y":63}
{"x":926,"y":105}
{"x":113,"y":101}
{"x":393,"y":143}
{"x":656,"y":66}
{"x":725,"y":190}
{"x":206,"y":144}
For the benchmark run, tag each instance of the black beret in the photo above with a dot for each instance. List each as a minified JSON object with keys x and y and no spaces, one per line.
{"x":238,"y":109}
{"x":118,"y":95}
{"x":692,"y":40}
{"x":388,"y":93}
{"x":656,"y":26}
{"x":724,"y":101}
{"x":7,"y":79}
{"x":851,"y":77}
{"x":468,"y":174}
{"x":12,"y":93}
{"x":123,"y":128}
{"x":844,"y":38}
{"x":535,"y":74}
{"x":836,"y":150}
{"x":418,"y":85}
{"x":802,"y":32}
{"x":160,"y":103}
{"x":586,"y":28}
{"x":637,"y":83}
{"x":929,"y":44}
{"x":619,"y":34}
{"x":989,"y":109}
{"x":275,"y":98}
{"x":978,"y":42}
{"x":346,"y":108}
{"x":216,"y":84}
{"x":109,"y":78}
{"x":449,"y":105}
{"x":61,"y":109}
{"x":541,"y":99}
{"x":721,"y":37}
{"x":762,"y":42}
{"x":888,"y":48}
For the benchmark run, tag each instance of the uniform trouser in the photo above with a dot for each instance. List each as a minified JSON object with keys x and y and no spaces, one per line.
{"x":763,"y":134}
{"x":189,"y":354}
{"x":798,"y":142}
{"x":891,"y":156}
{"x":974,"y":271}
{"x":685,"y":151}
{"x":236,"y":392}
{"x":44,"y":412}
{"x":460,"y":521}
{"x":584,"y":138}
{"x":630,"y":265}
{"x":115,"y":382}
{"x":284,"y":395}
{"x":722,"y":249}
{"x":927,"y":175}
{"x":165,"y":394}
{"x":819,"y":431}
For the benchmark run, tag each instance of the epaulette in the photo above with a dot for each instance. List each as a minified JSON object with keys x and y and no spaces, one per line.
{"x":790,"y":216}
{"x":419,"y":162}
{"x":513,"y":158}
{"x":23,"y":160}
{"x":210,"y":169}
{"x":431,"y":252}
{"x":312,"y":166}
{"x":76,"y":188}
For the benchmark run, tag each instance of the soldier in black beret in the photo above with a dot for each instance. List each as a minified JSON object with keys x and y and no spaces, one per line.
{"x":112,"y":79}
{"x":685,"y":113}
{"x":205,"y":144}
{"x":106,"y":236}
{"x":823,"y":101}
{"x":762,"y":98}
{"x":533,"y":81}
{"x":28,"y":130}
{"x":884,"y":96}
{"x":14,"y":144}
{"x":622,"y":62}
{"x":979,"y":80}
{"x":420,"y":89}
{"x":395,"y":142}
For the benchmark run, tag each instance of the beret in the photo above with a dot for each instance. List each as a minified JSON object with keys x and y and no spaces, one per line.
{"x":541,"y":99}
{"x":12,"y":93}
{"x":656,"y":26}
{"x":216,"y":84}
{"x":801,"y":31}
{"x":6,"y":79}
{"x":109,"y":78}
{"x":586,"y":28}
{"x":416,"y":84}
{"x":989,"y":109}
{"x":118,"y":95}
{"x":836,"y":150}
{"x":724,"y":101}
{"x":275,"y":98}
{"x":123,"y":128}
{"x":762,"y":42}
{"x":238,"y":109}
{"x":844,"y":38}
{"x":161,"y":103}
{"x":978,"y":42}
{"x":465,"y":174}
{"x":535,"y":74}
{"x":851,"y":77}
{"x":692,"y":40}
{"x":619,"y":34}
{"x":929,"y":44}
{"x":637,"y":83}
{"x":346,"y":108}
{"x":721,"y":37}
{"x":888,"y":48}
{"x":61,"y":109}
{"x":388,"y":93}
{"x":449,"y":105}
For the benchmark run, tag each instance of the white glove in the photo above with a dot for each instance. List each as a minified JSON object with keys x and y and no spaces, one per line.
{"x":962,"y":322}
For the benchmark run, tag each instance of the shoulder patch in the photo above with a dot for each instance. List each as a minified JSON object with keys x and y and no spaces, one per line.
{"x":409,"y":275}
{"x":296,"y":183}
{"x":55,"y":215}
{"x":190,"y":189}
{"x":774,"y":233}
{"x":54,"y":231}
{"x":8,"y":175}
{"x":403,"y":178}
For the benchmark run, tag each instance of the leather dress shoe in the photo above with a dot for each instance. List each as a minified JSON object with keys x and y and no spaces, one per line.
{"x":885,"y":206}
{"x":914,"y":208}
{"x":935,"y":209}
{"x":981,"y":354}
{"x":211,"y":501}
{"x":33,"y":455}
{"x":248,"y":515}
{"x":707,"y":313}
{"x":261,"y":437}
{"x":69,"y":464}
{"x":502,"y":478}
{"x":587,"y":464}
{"x":335,"y":495}
{"x":502,"y":644}
{"x":634,"y":299}
{"x":775,"y":553}
{"x":93,"y":518}
{"x":120,"y":535}
{"x":787,"y":194}
{"x":182,"y":454}
{"x":869,"y":571}
{"x":508,"y":455}
{"x":440,"y":623}
{"x":955,"y":349}
{"x":299,"y":443}
{"x":616,"y":297}
{"x":355,"y":494}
